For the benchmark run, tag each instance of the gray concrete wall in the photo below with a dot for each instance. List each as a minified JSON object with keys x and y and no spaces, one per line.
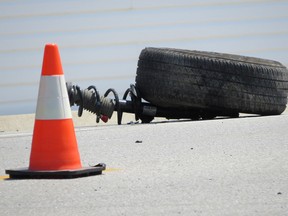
{"x":100,"y":41}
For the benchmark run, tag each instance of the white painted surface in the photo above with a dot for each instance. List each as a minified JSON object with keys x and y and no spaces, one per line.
{"x":100,"y":41}
{"x":53,"y":102}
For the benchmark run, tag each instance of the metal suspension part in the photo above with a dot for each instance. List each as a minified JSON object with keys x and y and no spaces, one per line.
{"x":102,"y":106}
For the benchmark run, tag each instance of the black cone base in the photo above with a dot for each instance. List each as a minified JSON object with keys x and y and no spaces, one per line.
{"x":25,"y":173}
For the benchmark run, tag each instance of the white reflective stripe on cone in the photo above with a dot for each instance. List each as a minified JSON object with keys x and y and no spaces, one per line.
{"x":53,"y":100}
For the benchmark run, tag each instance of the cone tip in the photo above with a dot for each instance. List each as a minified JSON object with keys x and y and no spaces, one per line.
{"x":51,"y":61}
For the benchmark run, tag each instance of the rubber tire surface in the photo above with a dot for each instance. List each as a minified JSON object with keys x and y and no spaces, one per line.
{"x":211,"y":81}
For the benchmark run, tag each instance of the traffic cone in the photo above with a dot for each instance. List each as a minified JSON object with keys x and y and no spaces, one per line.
{"x":54,"y":152}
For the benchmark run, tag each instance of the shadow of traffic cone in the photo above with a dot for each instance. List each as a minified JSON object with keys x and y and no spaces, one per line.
{"x":54,"y":152}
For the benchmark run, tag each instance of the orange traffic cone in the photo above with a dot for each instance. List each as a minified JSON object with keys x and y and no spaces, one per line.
{"x":54,"y":152}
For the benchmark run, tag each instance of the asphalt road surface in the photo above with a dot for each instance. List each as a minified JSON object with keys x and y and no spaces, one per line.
{"x":216,"y":167}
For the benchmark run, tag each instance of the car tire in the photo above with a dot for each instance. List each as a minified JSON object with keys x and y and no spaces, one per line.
{"x":214,"y":83}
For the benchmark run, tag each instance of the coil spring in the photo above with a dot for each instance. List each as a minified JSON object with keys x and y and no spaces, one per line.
{"x":90,"y":100}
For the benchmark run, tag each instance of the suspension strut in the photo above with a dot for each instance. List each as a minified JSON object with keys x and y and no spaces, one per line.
{"x":103,"y":107}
